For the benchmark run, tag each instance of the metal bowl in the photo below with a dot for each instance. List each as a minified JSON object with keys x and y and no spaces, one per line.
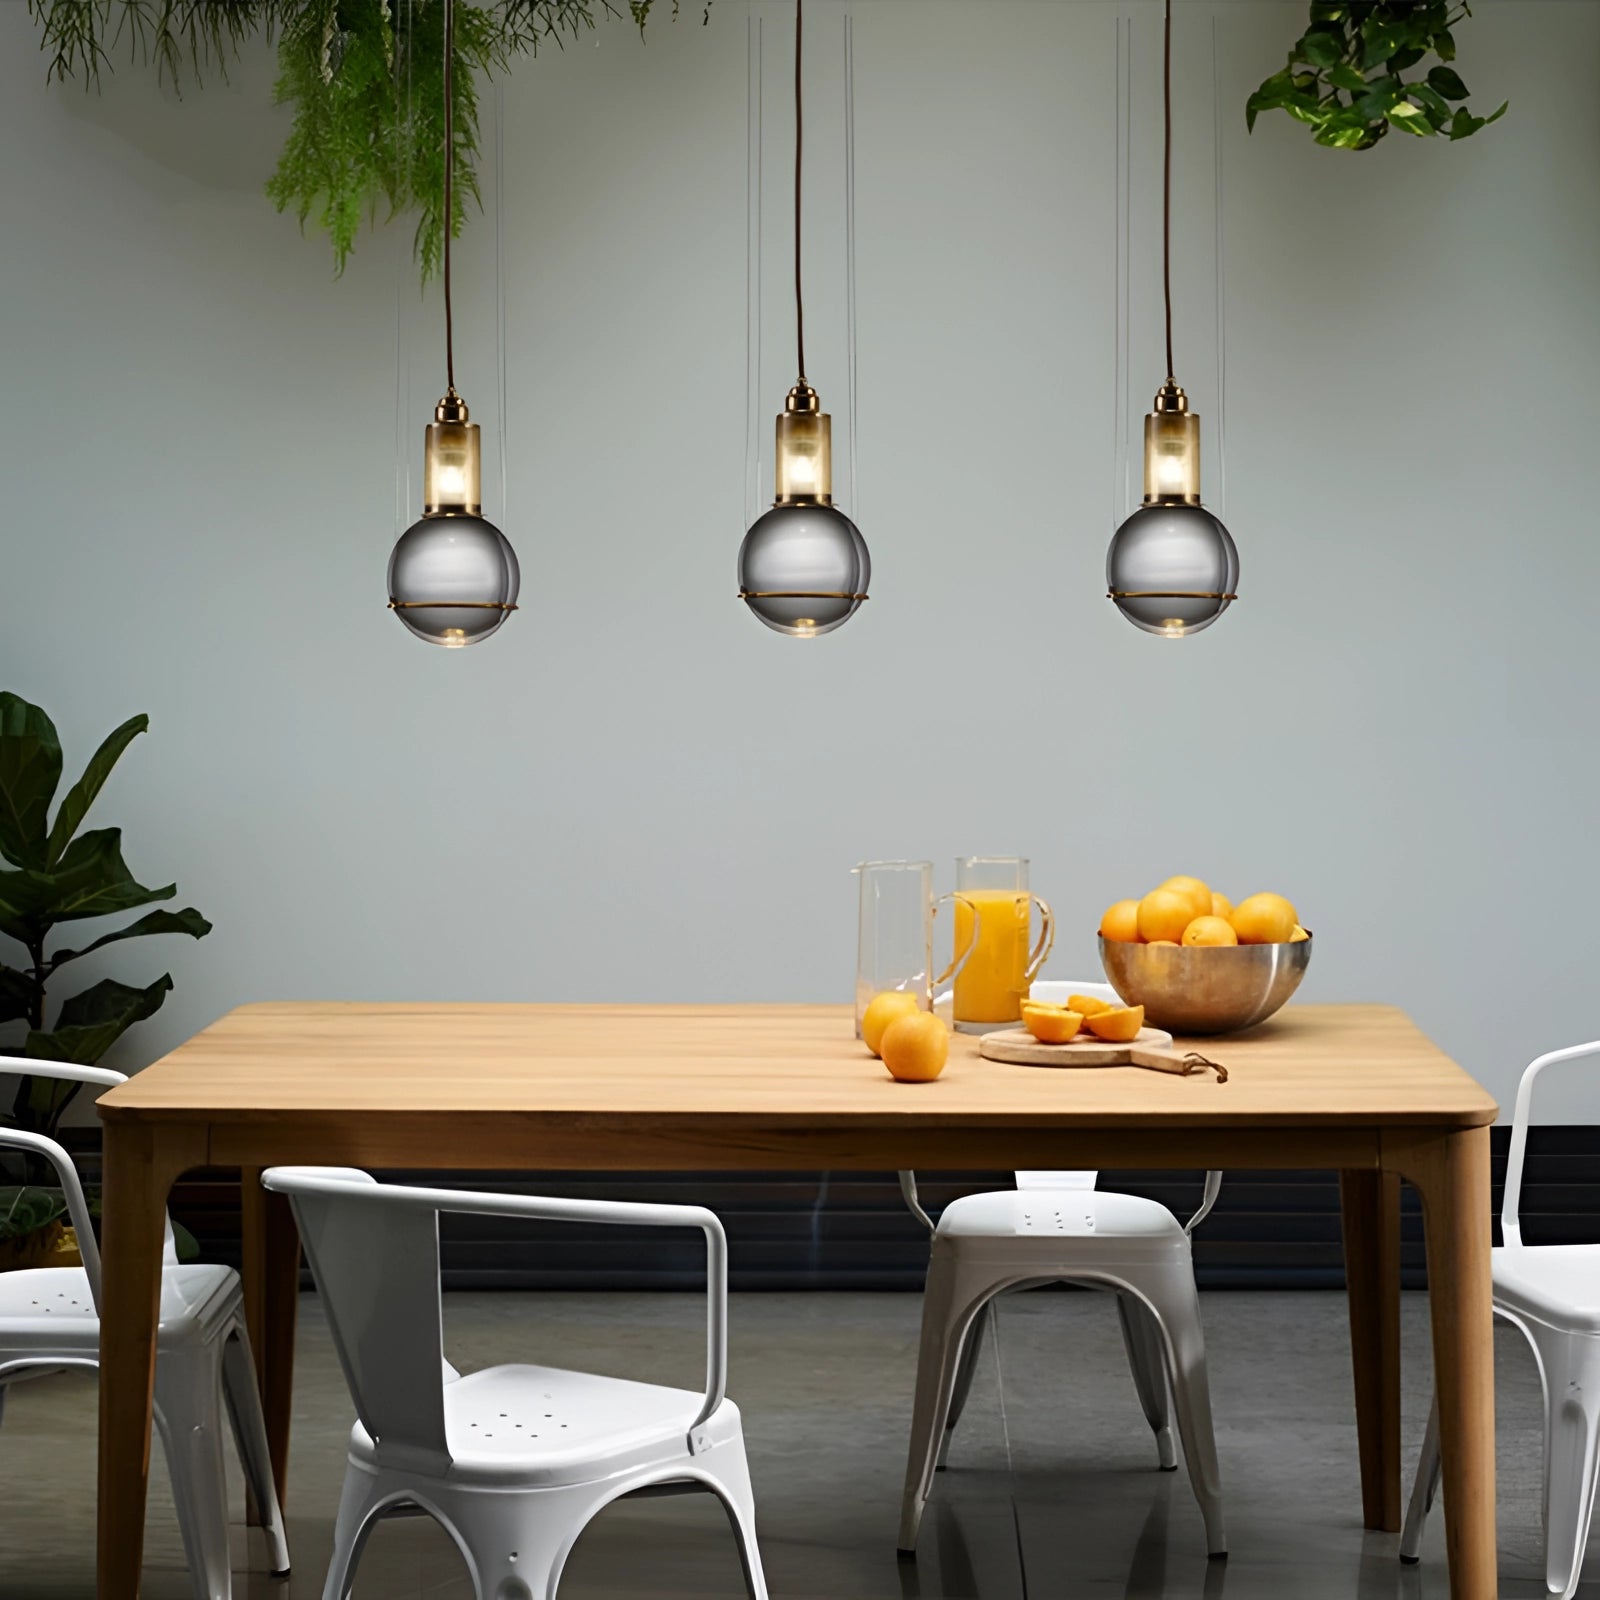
{"x":1218,"y":989}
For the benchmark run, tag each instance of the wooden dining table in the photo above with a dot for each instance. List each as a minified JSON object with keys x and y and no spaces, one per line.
{"x":1353,"y":1088}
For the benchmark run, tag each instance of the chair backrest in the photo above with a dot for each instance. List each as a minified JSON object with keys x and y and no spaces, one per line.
{"x":1056,"y":991}
{"x":48,"y":1150}
{"x":374,"y":1253}
{"x":1510,"y":1222}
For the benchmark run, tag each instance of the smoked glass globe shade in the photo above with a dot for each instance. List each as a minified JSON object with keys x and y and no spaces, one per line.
{"x":453,"y":579}
{"x":804,"y":569}
{"x":1172,"y":569}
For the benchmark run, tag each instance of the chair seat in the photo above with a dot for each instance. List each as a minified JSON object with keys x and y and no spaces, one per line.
{"x":1089,"y":1221}
{"x":543,"y":1426}
{"x":1557,"y":1284}
{"x":49,"y":1310}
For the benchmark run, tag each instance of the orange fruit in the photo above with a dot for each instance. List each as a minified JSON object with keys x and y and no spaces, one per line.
{"x":1210,"y":931}
{"x":1299,"y":936}
{"x":1086,"y":1005}
{"x":1264,"y":919}
{"x":883,"y":1009}
{"x":1120,"y":924}
{"x":1221,"y":905}
{"x":1163,"y":944}
{"x":1164,"y":914}
{"x":1120,"y":1026}
{"x":1050,"y":1024}
{"x":1199,"y":895}
{"x":915,"y":1047}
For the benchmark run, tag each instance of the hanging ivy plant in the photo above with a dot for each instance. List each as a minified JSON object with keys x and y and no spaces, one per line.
{"x":365,"y":78}
{"x":1345,"y":76}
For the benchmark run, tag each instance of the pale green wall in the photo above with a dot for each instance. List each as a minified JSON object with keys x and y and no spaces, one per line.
{"x":635,"y":792}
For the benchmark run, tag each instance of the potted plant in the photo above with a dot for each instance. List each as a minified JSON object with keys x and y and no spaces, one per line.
{"x":62,"y":875}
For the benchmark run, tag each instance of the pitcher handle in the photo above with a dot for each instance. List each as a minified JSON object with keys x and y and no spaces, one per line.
{"x":958,"y":962}
{"x":1047,"y":938}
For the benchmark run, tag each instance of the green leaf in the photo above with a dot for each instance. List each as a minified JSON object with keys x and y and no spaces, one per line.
{"x":30,"y":769}
{"x":26,"y":1210}
{"x":90,"y":880}
{"x":1404,"y":110}
{"x":1434,"y":107}
{"x":91,"y":1022}
{"x":1444,"y":44}
{"x":187,"y":921}
{"x":1321,"y":48}
{"x":1379,"y":40}
{"x":81,"y":795}
{"x":1448,"y":83}
{"x":1495,"y":116}
{"x":1344,"y":76}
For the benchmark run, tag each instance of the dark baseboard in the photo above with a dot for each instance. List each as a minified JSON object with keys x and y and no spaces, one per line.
{"x":850,"y":1230}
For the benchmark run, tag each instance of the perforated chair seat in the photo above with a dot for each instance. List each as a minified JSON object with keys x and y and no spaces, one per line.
{"x":50,"y":1308}
{"x":537,"y":1427}
{"x":1122,"y":1226}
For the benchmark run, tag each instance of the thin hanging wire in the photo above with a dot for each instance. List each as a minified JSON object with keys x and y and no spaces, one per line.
{"x":752,"y":273}
{"x":402,"y":265}
{"x":500,"y":276}
{"x":1120,"y":488}
{"x":1166,"y":181}
{"x":1222,"y":273}
{"x":799,"y":153}
{"x":450,"y":180}
{"x":850,"y":241}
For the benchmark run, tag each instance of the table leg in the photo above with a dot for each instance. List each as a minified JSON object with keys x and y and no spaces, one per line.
{"x":1451,"y":1173}
{"x":271,"y":1304}
{"x":138,"y":1165}
{"x":1370,"y":1202}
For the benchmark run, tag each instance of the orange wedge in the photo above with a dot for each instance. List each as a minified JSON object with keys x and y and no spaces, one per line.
{"x":1119,"y":1026}
{"x":1050,"y":1024}
{"x":1088,"y":1005}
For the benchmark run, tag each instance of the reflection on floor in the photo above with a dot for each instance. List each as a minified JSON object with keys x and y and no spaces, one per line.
{"x":1051,"y":1489}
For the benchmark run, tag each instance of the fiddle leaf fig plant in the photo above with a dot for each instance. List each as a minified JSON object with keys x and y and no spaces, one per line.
{"x":63,"y":876}
{"x":1346,"y":76}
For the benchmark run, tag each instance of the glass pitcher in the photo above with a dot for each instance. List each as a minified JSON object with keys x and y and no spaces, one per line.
{"x":895,"y":944}
{"x":992,"y":896}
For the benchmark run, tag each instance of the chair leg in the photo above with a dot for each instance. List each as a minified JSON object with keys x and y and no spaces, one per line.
{"x":188,"y":1410}
{"x":517,"y":1544}
{"x":1176,"y":1304}
{"x":739,"y":1501}
{"x":243,"y":1397}
{"x":1142,"y":1339}
{"x":1571,"y":1366}
{"x":350,"y":1529}
{"x":1423,"y":1490}
{"x":966,"y":1369}
{"x":950,"y":1300}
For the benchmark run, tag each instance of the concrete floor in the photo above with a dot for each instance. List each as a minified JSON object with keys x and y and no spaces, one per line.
{"x":1052,"y":1488}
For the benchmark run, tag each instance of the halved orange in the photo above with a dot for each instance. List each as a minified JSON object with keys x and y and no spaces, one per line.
{"x":1119,"y":1026}
{"x":1050,"y":1024}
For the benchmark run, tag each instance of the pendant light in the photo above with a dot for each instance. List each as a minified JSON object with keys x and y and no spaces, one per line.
{"x":803,"y":566}
{"x":453,"y":576}
{"x":1172,"y":568}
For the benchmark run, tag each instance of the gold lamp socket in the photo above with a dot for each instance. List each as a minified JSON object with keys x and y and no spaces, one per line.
{"x":1171,"y":450}
{"x":803,"y":461}
{"x":452,"y":475}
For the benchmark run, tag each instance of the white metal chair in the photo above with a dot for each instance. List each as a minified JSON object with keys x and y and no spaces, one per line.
{"x":1052,"y":1228}
{"x":1552,"y":1293}
{"x":49,"y":1320}
{"x":514,"y":1461}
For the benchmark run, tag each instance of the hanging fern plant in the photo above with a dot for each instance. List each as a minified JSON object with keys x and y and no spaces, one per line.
{"x":1346,"y":75}
{"x":365,"y":78}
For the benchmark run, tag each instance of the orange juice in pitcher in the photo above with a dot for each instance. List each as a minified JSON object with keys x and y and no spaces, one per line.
{"x":992,"y":893}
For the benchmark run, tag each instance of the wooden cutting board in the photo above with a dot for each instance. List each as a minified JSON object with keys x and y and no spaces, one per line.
{"x":1019,"y":1047}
